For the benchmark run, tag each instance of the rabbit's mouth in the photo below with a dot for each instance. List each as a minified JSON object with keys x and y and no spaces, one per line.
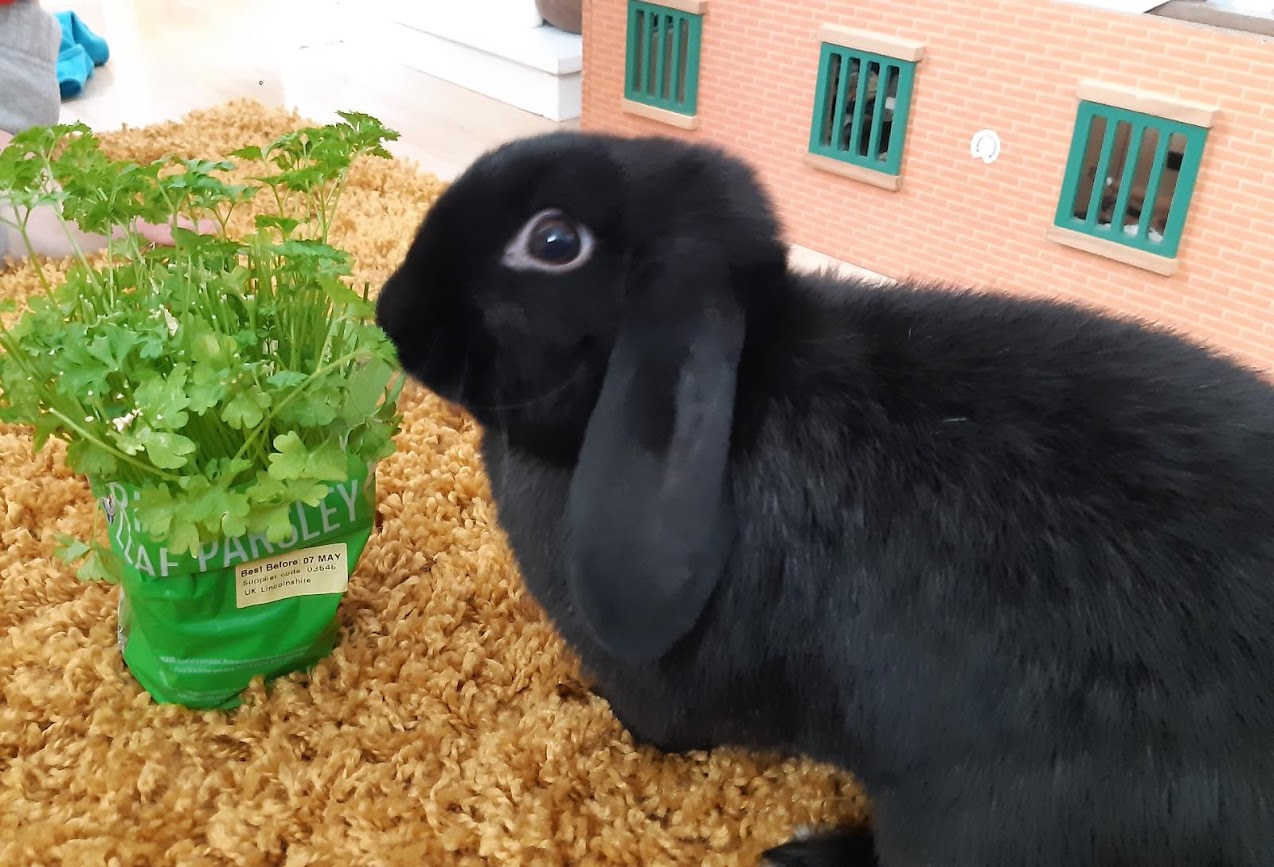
{"x":429,"y":351}
{"x":529,"y":401}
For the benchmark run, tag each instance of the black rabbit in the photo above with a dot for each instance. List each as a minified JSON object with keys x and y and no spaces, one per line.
{"x":1009,"y":561}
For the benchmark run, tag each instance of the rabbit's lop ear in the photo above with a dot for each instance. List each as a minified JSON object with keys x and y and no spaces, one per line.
{"x":649,"y":509}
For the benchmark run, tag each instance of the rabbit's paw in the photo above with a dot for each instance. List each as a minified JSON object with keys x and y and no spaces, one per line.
{"x":842,"y":847}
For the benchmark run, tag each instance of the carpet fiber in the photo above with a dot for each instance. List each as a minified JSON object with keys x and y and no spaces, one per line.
{"x":449,"y":726}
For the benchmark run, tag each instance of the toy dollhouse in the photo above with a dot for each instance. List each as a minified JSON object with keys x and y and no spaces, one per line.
{"x":1115,"y":152}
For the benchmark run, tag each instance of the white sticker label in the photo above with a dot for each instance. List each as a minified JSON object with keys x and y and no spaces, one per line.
{"x":307,"y":572}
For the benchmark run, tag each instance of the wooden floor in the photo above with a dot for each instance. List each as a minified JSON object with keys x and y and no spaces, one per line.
{"x":317,"y":56}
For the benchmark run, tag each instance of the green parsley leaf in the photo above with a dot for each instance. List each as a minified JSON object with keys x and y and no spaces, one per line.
{"x":69,"y":549}
{"x":163,"y":401}
{"x":366,"y":388}
{"x":87,"y":457}
{"x":168,"y":451}
{"x":208,"y":387}
{"x":294,"y":460}
{"x":246,"y":409}
{"x":213,"y":505}
{"x":154,"y":508}
{"x":275,"y":522}
{"x":101,"y":565}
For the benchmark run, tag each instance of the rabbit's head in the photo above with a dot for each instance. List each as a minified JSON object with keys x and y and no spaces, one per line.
{"x":584,"y":296}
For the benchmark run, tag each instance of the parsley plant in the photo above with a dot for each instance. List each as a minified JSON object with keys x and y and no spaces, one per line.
{"x":226,"y":378}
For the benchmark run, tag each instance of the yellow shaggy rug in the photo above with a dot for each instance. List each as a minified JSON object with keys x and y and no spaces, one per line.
{"x":448,"y":727}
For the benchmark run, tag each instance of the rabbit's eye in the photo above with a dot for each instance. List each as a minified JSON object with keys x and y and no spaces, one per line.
{"x":554,"y":240}
{"x":549,"y":241}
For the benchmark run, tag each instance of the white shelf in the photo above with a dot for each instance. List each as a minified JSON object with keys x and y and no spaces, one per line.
{"x":494,"y":48}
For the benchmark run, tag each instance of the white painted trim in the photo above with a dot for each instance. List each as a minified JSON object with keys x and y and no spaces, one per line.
{"x":690,"y":7}
{"x":1148,"y":102}
{"x":1129,"y":7}
{"x":877,"y":43}
{"x":1161,"y":265}
{"x":662,"y":115}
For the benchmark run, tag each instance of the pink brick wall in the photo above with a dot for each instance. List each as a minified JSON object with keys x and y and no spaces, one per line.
{"x":1013,"y":67}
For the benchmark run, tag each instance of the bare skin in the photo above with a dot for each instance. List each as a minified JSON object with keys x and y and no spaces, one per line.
{"x":49,"y":238}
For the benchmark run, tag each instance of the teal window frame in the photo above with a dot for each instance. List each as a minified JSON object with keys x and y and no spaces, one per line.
{"x":1087,"y":114}
{"x":671,"y":82}
{"x":830,"y":145}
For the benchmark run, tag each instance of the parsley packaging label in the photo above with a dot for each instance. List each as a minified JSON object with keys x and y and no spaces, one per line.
{"x":196,"y":628}
{"x":306,"y":572}
{"x":346,"y":505}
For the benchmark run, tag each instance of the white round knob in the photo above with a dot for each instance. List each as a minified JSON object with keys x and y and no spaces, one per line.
{"x":985,"y":146}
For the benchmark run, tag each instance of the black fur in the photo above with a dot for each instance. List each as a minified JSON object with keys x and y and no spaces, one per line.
{"x":1007,"y":560}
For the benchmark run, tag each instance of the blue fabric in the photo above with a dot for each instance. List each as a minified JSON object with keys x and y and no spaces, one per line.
{"x":80,"y":52}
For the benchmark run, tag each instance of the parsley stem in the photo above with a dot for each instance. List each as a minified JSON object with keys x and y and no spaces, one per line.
{"x":292,"y":395}
{"x":32,"y":256}
{"x":62,"y":223}
{"x":88,"y":436}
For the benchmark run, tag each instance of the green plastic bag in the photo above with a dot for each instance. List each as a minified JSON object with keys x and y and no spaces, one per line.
{"x":195,"y":630}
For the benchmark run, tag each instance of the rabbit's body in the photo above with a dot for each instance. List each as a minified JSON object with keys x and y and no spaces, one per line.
{"x":1009,"y":562}
{"x":1022,"y":558}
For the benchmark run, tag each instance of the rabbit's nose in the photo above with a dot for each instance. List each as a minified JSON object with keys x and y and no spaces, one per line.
{"x":390,"y":306}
